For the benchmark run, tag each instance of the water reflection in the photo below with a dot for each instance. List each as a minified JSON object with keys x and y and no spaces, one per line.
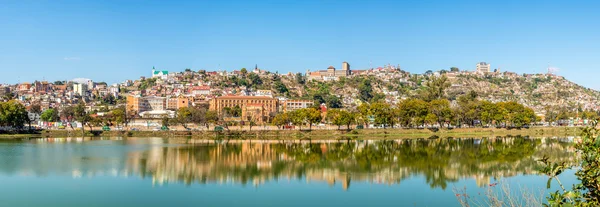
{"x":440,"y":161}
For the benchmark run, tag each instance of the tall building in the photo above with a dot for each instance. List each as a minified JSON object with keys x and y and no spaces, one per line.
{"x":483,"y":67}
{"x":254,"y":108}
{"x":346,"y":68}
{"x":80,"y":88}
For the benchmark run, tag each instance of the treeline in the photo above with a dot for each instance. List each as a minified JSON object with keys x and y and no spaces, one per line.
{"x":411,"y":113}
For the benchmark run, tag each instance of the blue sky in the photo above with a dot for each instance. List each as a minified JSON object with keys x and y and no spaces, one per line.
{"x":117,"y":40}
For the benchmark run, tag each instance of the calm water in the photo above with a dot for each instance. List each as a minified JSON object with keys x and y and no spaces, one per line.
{"x":163,"y":172}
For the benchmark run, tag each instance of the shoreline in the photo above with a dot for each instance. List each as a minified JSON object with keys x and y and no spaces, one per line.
{"x":317,"y":134}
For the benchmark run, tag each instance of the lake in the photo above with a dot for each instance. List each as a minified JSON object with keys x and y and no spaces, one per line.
{"x":182,"y":172}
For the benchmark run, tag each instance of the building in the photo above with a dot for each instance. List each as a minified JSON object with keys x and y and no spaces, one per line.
{"x":174,"y":103}
{"x":4,"y":90}
{"x":138,"y":104}
{"x":483,"y":67}
{"x":24,"y":87}
{"x":331,"y":73}
{"x":292,"y":105}
{"x":159,"y":74}
{"x":80,"y":88}
{"x":266,"y":93}
{"x":201,"y":91}
{"x":254,"y":108}
{"x":42,"y":86}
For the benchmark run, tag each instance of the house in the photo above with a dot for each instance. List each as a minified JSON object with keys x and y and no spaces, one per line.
{"x":160,"y":74}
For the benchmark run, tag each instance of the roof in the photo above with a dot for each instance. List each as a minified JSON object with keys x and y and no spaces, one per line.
{"x":330,"y":67}
{"x":164,"y":72}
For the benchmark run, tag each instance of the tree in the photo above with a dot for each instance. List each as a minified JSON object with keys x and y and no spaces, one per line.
{"x":365,"y":90}
{"x":183,"y":116}
{"x":454,"y":69}
{"x":300,"y":79}
{"x":211,"y":118}
{"x":13,"y":114}
{"x":255,"y":79}
{"x":310,"y":116}
{"x":435,"y":88}
{"x":297,"y":118}
{"x":280,"y":120}
{"x":35,"y":108}
{"x":198,"y":116}
{"x":383,"y":114}
{"x":165,"y":120}
{"x":333,"y":101}
{"x":119,"y":116}
{"x":340,"y":117}
{"x":412,"y":112}
{"x":81,"y":115}
{"x":50,"y":115}
{"x":243,"y":71}
{"x":442,"y":111}
{"x":280,"y":87}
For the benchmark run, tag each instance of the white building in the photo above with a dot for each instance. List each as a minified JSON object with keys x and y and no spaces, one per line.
{"x":483,"y":67}
{"x":80,"y":89}
{"x":160,"y":74}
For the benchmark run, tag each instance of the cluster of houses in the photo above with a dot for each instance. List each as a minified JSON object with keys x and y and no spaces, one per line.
{"x":163,"y":92}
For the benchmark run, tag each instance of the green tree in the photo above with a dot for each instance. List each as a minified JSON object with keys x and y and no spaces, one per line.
{"x":280,"y":120}
{"x":50,"y":115}
{"x":119,"y":116}
{"x":13,"y":114}
{"x":383,"y":114}
{"x":183,"y":116}
{"x":436,"y":87}
{"x":81,"y":115}
{"x":340,"y":117}
{"x":442,"y":111}
{"x":311,"y":116}
{"x":365,"y":90}
{"x":211,"y":118}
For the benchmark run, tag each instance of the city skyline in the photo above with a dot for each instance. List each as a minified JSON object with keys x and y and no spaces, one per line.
{"x":116,"y":41}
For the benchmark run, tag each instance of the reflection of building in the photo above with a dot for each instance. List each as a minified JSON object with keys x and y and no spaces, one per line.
{"x":255,"y":108}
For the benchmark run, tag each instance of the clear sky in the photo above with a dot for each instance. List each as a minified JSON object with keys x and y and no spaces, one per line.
{"x":117,"y":40}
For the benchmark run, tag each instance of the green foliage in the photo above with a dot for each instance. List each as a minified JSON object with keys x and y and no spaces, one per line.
{"x":119,"y":116}
{"x":280,"y":120}
{"x":365,"y":90}
{"x":340,"y":117}
{"x":81,"y":115}
{"x":13,"y":114}
{"x":50,"y":115}
{"x":587,"y":193}
{"x":435,"y":88}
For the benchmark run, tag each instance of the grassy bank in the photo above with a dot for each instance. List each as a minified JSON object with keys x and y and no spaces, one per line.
{"x":317,"y":134}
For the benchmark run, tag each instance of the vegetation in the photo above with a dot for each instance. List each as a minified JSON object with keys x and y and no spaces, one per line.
{"x":586,"y":193}
{"x":13,"y":114}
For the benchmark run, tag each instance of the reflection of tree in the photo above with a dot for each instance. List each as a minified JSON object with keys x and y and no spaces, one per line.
{"x":439,"y":161}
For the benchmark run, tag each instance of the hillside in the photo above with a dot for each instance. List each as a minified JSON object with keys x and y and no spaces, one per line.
{"x":542,"y":92}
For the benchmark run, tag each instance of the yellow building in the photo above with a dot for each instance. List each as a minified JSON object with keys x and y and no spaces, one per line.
{"x":254,"y":108}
